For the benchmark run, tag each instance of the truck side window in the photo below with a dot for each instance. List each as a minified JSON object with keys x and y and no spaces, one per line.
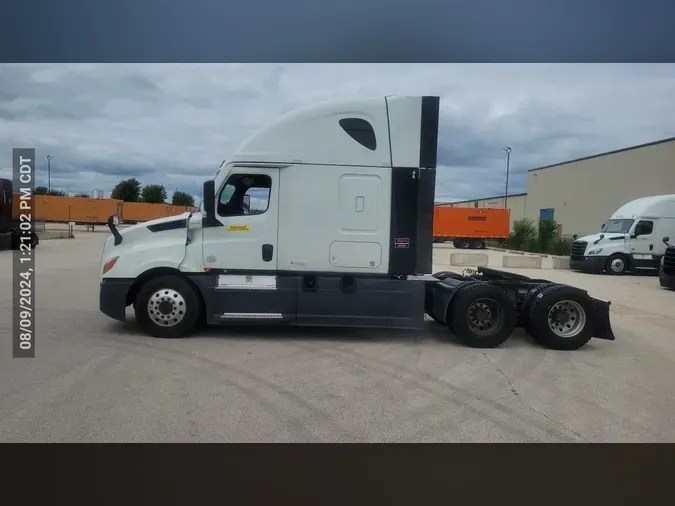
{"x":645,"y":227}
{"x":361,"y":131}
{"x":245,"y":194}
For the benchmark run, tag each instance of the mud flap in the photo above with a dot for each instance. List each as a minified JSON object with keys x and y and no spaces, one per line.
{"x":603,"y":327}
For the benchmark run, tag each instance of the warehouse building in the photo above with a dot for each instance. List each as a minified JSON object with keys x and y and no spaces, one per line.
{"x":582,"y":194}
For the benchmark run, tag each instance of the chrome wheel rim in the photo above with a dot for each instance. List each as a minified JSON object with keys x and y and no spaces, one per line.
{"x":166,"y":307}
{"x":566,"y":318}
{"x":617,"y":265}
{"x":484,"y":316}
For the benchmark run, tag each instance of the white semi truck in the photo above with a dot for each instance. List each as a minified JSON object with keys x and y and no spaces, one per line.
{"x":635,"y":238}
{"x":324,"y":218}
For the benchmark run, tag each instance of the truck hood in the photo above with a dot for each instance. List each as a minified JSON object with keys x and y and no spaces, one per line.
{"x":591,"y":239}
{"x":158,"y":225}
{"x":133,"y":233}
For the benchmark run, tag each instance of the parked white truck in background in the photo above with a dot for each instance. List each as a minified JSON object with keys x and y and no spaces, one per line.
{"x":324,"y":218}
{"x":635,"y":238}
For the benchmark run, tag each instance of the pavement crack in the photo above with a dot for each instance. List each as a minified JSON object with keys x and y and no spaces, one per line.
{"x":528,"y":406}
{"x":508,"y":380}
{"x":557,"y":423}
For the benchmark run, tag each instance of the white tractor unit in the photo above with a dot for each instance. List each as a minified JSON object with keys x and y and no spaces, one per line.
{"x":634,"y":238}
{"x":324,"y":218}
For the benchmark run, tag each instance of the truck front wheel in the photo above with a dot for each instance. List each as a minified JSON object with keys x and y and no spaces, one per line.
{"x":617,"y":264}
{"x":167,"y":307}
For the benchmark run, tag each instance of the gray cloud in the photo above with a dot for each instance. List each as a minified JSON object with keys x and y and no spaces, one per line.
{"x":173,"y":124}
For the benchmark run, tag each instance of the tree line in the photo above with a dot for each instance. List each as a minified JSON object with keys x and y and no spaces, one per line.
{"x":131,"y":190}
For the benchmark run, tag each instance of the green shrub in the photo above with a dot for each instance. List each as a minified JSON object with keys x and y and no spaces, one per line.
{"x":524,"y":230}
{"x":539,"y":237}
{"x":562,"y":246}
{"x":532,"y":245}
{"x":548,"y":231}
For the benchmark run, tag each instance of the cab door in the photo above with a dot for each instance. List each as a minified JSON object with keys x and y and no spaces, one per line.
{"x":643,"y":242}
{"x":247,"y":209}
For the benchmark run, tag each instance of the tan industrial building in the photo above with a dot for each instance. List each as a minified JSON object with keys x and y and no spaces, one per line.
{"x":582,"y":194}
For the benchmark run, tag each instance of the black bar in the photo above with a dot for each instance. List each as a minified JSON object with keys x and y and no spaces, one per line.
{"x":115,"y":232}
{"x":429,"y":132}
{"x":23,"y":273}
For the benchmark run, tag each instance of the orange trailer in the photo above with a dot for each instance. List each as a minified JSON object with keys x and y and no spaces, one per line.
{"x":88,"y":211}
{"x":53,"y":208}
{"x":469,"y":227}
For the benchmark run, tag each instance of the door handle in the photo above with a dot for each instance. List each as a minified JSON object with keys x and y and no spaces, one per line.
{"x":651,"y":247}
{"x":267,"y":252}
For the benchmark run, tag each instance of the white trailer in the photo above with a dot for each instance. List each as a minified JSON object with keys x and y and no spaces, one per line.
{"x":324,"y":218}
{"x":635,"y":238}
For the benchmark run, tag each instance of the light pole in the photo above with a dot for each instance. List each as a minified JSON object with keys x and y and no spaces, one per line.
{"x":508,"y":160}
{"x":49,"y":173}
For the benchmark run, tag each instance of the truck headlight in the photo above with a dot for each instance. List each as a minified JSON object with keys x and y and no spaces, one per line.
{"x":595,"y":251}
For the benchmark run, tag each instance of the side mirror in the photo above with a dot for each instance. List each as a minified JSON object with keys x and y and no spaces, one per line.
{"x":209,"y":203}
{"x":575,"y":237}
{"x":666,"y":240}
{"x":113,"y":221}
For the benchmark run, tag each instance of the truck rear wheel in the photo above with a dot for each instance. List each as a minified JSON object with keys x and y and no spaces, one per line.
{"x":561,"y":318}
{"x":168,"y":307}
{"x":481,"y":315}
{"x":477,"y":244}
{"x":524,"y":309}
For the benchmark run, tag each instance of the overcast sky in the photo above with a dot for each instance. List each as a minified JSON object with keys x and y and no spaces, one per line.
{"x":174,"y":123}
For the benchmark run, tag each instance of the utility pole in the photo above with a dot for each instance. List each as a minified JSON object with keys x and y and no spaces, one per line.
{"x":508,"y":160}
{"x":49,"y":173}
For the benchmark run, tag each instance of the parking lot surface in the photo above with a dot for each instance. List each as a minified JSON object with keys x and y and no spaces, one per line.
{"x":97,"y":380}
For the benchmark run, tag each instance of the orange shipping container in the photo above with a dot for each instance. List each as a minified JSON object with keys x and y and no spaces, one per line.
{"x":471,"y":223}
{"x":78,"y":209}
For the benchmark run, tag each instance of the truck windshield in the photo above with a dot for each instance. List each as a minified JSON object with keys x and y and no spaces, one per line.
{"x":617,"y":226}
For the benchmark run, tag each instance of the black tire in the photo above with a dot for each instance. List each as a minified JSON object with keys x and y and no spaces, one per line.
{"x":477,"y":244}
{"x":170,"y":285}
{"x":455,"y":244}
{"x":543,"y":331}
{"x":524,"y":308}
{"x":464,"y":243}
{"x":496,"y":300}
{"x":35,"y":240}
{"x":616,"y":260}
